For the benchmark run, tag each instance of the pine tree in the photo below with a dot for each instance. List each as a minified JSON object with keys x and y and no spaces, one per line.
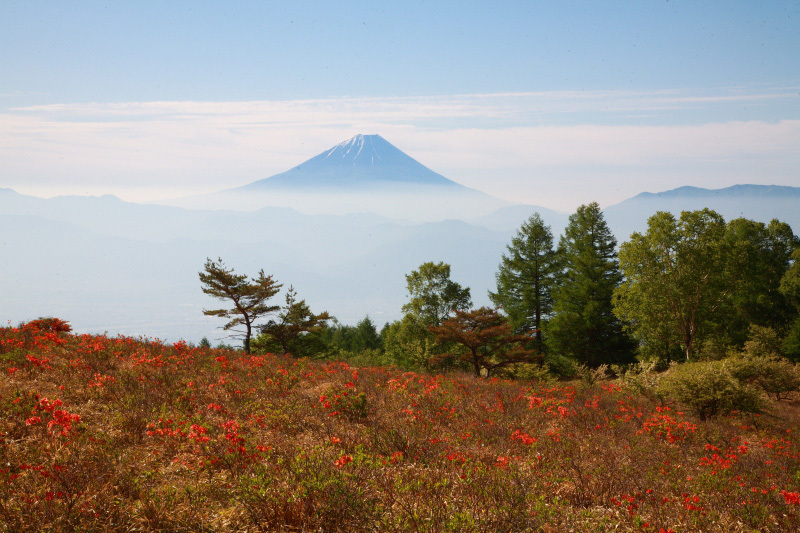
{"x":483,"y":339}
{"x":294,"y":322}
{"x":248,"y":297}
{"x":526,"y":279}
{"x":583,"y":324}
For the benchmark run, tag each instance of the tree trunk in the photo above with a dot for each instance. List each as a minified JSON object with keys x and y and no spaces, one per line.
{"x":247,"y":337}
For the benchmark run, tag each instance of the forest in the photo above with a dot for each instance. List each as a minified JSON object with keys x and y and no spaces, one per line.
{"x":691,"y":289}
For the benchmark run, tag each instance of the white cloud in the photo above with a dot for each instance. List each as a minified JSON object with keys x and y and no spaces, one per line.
{"x":526,"y":146}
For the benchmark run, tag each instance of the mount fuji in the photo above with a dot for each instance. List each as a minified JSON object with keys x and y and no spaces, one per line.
{"x":363,"y":174}
{"x":365,"y":161}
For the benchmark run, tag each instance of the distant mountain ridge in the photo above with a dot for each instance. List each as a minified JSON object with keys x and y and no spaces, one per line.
{"x":107,"y":264}
{"x":757,"y":202}
{"x":734,"y":191}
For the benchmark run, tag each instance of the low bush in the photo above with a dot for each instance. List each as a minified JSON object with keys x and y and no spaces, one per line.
{"x":561,"y":367}
{"x":709,"y":388}
{"x":777,"y":377}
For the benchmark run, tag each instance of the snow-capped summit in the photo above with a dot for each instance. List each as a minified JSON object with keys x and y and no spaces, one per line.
{"x":364,"y":161}
{"x":365,"y":174}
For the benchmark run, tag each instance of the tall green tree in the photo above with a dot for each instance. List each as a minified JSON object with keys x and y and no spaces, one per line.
{"x":676,"y":279}
{"x":294,"y":324}
{"x":790,"y":287}
{"x":583,"y":324}
{"x":433,"y":296}
{"x":249,"y":297}
{"x":758,"y":256}
{"x":526,"y":279}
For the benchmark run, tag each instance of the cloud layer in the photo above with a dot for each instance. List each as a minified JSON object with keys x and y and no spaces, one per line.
{"x":555,"y":149}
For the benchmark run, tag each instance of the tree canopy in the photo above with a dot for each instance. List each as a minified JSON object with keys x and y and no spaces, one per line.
{"x":526,"y":279}
{"x":583,"y":324}
{"x":696,"y":279}
{"x":249,"y":297}
{"x":433,"y":295}
{"x":484,"y":340}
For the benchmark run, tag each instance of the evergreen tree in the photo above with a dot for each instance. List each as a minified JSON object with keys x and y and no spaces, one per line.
{"x":248,"y":297}
{"x":583,"y":324}
{"x":294,"y":324}
{"x":354,"y":339}
{"x":526,"y":279}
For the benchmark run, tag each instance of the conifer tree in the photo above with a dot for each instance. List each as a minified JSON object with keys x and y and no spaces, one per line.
{"x":294,"y":322}
{"x":483,"y":339}
{"x":248,"y":297}
{"x":526,"y":279}
{"x":583,"y":325}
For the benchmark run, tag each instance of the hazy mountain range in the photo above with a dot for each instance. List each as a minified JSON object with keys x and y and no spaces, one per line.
{"x":343,"y":228}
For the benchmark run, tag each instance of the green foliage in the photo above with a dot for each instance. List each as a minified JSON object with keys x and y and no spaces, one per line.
{"x":645,"y":378}
{"x":539,"y":373}
{"x":433,"y":295}
{"x":762,"y":342}
{"x":791,"y":343}
{"x":673,"y":280}
{"x":697,"y":282}
{"x":408,"y":343}
{"x":583,"y":325}
{"x":526,"y":279}
{"x":297,"y":330}
{"x":248,"y":297}
{"x":790,"y":282}
{"x":561,"y":366}
{"x":710,"y":388}
{"x":777,"y":377}
{"x":354,"y":339}
{"x":758,"y":256}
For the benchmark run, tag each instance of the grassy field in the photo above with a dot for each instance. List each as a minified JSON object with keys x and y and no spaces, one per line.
{"x":101,"y":433}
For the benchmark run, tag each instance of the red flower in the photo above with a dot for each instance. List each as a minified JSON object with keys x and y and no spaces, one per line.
{"x":791,"y":498}
{"x":343,"y":460}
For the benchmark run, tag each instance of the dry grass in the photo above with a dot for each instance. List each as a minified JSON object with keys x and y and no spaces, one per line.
{"x":118,"y":434}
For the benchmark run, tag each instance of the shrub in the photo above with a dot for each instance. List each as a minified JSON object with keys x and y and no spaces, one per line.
{"x":778,"y":378}
{"x":561,"y":366}
{"x":526,"y":372}
{"x":645,"y":378}
{"x":709,"y":388}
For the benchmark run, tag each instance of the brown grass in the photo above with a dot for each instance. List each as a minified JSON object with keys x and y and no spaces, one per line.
{"x":155,"y":437}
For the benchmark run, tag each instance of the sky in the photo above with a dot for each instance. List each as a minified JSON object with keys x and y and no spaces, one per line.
{"x":548,"y":103}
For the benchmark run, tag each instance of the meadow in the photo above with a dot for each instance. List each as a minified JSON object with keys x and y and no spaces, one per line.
{"x":101,"y":433}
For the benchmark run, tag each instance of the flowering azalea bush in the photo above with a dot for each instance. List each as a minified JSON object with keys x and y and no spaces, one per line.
{"x":116,"y":433}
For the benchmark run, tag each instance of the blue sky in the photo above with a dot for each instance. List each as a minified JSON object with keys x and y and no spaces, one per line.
{"x":550,"y":103}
